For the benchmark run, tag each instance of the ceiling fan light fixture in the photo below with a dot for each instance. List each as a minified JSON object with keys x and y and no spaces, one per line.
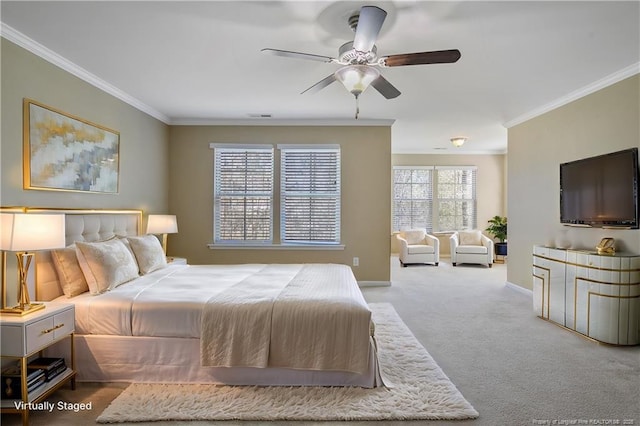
{"x":357,"y":78}
{"x":458,"y":141}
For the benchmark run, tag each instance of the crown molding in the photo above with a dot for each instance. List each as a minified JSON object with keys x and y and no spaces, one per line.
{"x":575,"y":95}
{"x":282,"y":122}
{"x":49,"y":55}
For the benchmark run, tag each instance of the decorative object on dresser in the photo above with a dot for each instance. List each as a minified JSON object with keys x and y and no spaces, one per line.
{"x":605,"y":246}
{"x":24,"y":233}
{"x":471,"y":247}
{"x":22,"y":338}
{"x":416,"y":246}
{"x":162,"y":224}
{"x":67,"y":153}
{"x":595,"y":295}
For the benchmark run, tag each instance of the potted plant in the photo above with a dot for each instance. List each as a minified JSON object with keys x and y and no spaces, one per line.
{"x":498,"y":228}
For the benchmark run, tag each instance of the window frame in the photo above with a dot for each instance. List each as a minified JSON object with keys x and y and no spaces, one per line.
{"x":429,"y":200}
{"x":311,"y":193}
{"x":473,"y":217}
{"x":217,"y":237}
{"x":272,"y":244}
{"x":437,"y":199}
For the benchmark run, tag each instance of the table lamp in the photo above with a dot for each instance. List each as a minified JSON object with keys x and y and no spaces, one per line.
{"x":162,"y":224}
{"x":24,"y":233}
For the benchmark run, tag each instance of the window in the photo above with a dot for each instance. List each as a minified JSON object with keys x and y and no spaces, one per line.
{"x":243,"y":194}
{"x":434,"y":198}
{"x":412,"y":198}
{"x":309,"y":194}
{"x":456,"y":193}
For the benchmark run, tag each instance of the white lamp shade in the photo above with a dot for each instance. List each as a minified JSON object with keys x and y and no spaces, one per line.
{"x":162,"y":224}
{"x":31,"y":232}
{"x":356,"y":78}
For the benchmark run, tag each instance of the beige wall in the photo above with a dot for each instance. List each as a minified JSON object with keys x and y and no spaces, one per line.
{"x":143,"y":139}
{"x":605,"y":121}
{"x":491,"y":185}
{"x":366,"y":160}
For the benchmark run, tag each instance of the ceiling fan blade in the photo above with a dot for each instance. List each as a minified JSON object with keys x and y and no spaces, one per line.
{"x":385,"y":88}
{"x":369,"y":24}
{"x":297,"y":55}
{"x":321,"y":84}
{"x":422,"y":58}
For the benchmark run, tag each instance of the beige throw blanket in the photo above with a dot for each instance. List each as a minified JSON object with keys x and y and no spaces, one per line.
{"x":309,"y":316}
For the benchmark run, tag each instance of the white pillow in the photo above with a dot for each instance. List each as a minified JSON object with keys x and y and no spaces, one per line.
{"x":148,"y":252}
{"x":470,"y":238}
{"x":414,"y":236}
{"x":69,"y":272}
{"x":106,"y":264}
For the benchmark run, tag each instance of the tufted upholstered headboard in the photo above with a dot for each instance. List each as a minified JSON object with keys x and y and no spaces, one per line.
{"x":82,"y":225}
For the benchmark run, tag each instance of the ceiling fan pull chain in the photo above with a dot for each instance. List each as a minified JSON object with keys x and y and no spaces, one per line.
{"x":357,"y":107}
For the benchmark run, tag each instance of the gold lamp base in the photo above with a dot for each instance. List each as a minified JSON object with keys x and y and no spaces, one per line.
{"x":28,"y":309}
{"x":24,"y":306}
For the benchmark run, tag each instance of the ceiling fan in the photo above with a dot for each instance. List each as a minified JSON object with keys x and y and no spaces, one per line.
{"x":359,"y":57}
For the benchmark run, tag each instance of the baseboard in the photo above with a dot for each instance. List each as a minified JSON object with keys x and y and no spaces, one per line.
{"x":519,"y":289}
{"x":374,"y":283}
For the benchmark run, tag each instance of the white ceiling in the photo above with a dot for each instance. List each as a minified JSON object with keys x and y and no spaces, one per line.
{"x":200,"y":62}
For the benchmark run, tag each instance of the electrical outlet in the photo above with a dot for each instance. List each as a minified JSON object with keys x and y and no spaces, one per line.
{"x":356,"y":261}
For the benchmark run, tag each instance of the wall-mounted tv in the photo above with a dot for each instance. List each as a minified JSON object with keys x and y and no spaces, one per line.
{"x":601,"y":191}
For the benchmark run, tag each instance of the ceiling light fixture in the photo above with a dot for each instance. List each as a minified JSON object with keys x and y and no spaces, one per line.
{"x":458,"y":141}
{"x":356,"y":79}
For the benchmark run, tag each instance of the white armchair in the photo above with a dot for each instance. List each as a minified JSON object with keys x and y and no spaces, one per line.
{"x":416,"y":246}
{"x":471,"y":247}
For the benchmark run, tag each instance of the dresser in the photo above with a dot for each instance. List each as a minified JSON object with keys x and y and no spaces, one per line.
{"x":24,"y":338}
{"x":592,"y":294}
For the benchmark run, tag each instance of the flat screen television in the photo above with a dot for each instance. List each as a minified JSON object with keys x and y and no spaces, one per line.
{"x":601,"y":191}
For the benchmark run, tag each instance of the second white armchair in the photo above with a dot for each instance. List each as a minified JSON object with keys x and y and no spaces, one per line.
{"x":471,"y":247}
{"x":416,"y":246}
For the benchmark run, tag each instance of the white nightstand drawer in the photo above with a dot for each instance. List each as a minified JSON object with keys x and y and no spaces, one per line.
{"x":43,"y":332}
{"x":39,"y":334}
{"x":22,"y":336}
{"x":63,"y":324}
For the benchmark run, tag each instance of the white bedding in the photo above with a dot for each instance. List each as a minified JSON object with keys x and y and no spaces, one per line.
{"x":316,"y":309}
{"x":163,"y":303}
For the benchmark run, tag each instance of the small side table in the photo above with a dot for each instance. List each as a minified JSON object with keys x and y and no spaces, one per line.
{"x":24,"y":336}
{"x":176,"y":260}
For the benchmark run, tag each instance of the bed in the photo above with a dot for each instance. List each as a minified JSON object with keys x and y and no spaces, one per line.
{"x":250,"y":324}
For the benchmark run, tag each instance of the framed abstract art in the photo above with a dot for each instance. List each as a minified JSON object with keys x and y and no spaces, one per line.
{"x":66,"y":153}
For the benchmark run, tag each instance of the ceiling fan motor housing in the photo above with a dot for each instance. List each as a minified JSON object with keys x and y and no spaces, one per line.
{"x":347,"y":55}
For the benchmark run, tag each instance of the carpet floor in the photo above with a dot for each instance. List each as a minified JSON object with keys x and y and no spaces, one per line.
{"x":419,"y":391}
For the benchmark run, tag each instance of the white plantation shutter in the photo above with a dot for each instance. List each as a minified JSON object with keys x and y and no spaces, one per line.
{"x":457,"y":206}
{"x":243,"y":194}
{"x":310,"y":194}
{"x":413,"y":198}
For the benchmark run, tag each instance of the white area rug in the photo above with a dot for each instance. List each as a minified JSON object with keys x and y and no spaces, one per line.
{"x":421,"y":391}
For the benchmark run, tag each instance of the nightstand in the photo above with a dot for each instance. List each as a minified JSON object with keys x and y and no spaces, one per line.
{"x":176,"y":260}
{"x":23,"y":337}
